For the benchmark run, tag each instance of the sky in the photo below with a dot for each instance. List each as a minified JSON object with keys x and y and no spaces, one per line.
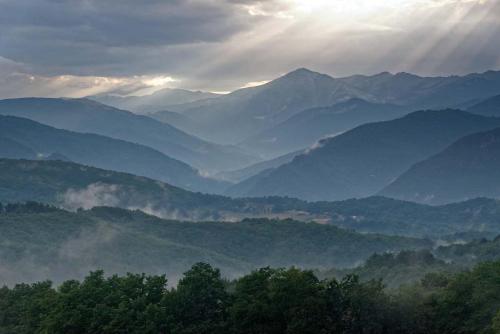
{"x":78,"y":48}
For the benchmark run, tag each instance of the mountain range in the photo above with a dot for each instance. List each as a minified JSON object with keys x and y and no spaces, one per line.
{"x":362,"y":161}
{"x":83,"y":115}
{"x":24,"y":138}
{"x":245,"y":113}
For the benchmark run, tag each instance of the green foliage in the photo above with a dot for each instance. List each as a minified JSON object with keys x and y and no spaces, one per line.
{"x":470,"y":301}
{"x":496,"y":323}
{"x":24,"y":307}
{"x":278,"y":301}
{"x":130,"y":304}
{"x":199,"y":304}
{"x":266,"y":301}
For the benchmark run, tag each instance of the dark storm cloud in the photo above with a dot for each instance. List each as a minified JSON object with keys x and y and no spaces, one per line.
{"x":116,"y":23}
{"x":54,"y":34}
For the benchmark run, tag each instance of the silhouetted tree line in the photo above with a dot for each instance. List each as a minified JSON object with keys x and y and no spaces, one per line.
{"x":27,"y":207}
{"x":267,"y":301}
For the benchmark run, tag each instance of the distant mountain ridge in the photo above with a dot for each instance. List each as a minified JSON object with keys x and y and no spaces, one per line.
{"x":360,"y":162}
{"x":83,"y":115}
{"x":24,"y":138}
{"x":159,"y":100}
{"x":468,"y":168}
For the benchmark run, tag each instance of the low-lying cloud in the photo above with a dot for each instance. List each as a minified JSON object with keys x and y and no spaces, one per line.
{"x":95,"y":194}
{"x":102,"y":194}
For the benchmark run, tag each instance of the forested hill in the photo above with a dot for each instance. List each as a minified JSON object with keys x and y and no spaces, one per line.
{"x":39,"y":242}
{"x":74,"y":186}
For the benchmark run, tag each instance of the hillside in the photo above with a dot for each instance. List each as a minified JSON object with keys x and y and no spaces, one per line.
{"x":60,"y":245}
{"x":180,"y":121}
{"x":406,"y":267}
{"x":306,"y":127}
{"x":11,"y":149}
{"x":362,"y":161}
{"x":87,"y":116}
{"x":487,"y":107}
{"x":467,"y":169}
{"x":34,"y":140}
{"x":242,"y":174}
{"x":74,"y":186}
{"x":377,"y":214}
{"x":476,"y":251}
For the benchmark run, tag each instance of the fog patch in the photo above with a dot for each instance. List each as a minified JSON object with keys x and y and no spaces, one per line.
{"x":95,"y":194}
{"x":445,"y":243}
{"x":112,"y":195}
{"x":82,"y":248}
{"x":150,"y":209}
{"x":321,"y":142}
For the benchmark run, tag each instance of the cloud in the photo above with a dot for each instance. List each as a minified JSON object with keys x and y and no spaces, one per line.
{"x":91,"y":35}
{"x":103,"y":194}
{"x":47,"y":46}
{"x":16,"y":81}
{"x":255,"y":83}
{"x":95,"y":194}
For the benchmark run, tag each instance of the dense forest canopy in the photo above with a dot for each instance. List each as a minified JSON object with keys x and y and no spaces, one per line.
{"x":266,"y":301}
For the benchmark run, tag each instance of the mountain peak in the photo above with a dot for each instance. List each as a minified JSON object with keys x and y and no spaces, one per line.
{"x":302,"y":72}
{"x":406,"y":75}
{"x":384,"y":74}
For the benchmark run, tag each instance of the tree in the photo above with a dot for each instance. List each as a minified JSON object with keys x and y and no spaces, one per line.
{"x":198,"y":305}
{"x":23,"y":308}
{"x":278,"y":301}
{"x":496,"y":323}
{"x":364,"y":307}
{"x":128,"y":304}
{"x":470,"y":301}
